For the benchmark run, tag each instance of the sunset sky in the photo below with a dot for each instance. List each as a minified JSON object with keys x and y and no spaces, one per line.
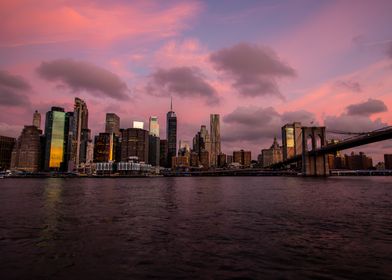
{"x":259,"y":64}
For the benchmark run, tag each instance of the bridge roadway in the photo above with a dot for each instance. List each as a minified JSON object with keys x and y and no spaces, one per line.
{"x":368,"y":138}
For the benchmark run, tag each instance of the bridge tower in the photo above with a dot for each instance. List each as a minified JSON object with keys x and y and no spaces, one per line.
{"x":314,"y":163}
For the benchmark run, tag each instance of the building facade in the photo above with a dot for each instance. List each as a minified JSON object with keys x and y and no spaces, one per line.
{"x":112,"y":124}
{"x":291,"y":140}
{"x":388,"y":161}
{"x":104,"y":147}
{"x":134,"y":143}
{"x":215,"y":139}
{"x":163,"y":154}
{"x":6,"y":146}
{"x":80,"y":124}
{"x":26,"y":154}
{"x":171,"y":134}
{"x":243,"y":157}
{"x":37,"y":119}
{"x":272,"y":155}
{"x":153,"y":126}
{"x":153,"y":150}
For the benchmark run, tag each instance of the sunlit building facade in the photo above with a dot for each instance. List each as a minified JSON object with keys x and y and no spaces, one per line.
{"x":37,"y":119}
{"x":154,"y":126}
{"x":55,"y":138}
{"x":112,"y":124}
{"x":291,"y":140}
{"x":215,"y":139}
{"x":80,"y":123}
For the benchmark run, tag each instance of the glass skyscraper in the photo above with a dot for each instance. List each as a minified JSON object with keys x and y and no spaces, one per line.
{"x":171,"y":134}
{"x":55,"y":138}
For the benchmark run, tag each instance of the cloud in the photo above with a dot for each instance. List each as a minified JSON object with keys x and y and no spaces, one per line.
{"x":81,"y":75}
{"x":254,"y":124}
{"x":389,"y":50}
{"x":255,"y":69}
{"x":349,"y":85}
{"x":367,"y":108}
{"x":13,"y":90}
{"x":353,"y":123}
{"x":183,"y":82}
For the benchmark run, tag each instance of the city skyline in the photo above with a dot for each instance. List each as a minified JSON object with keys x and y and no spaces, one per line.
{"x":341,"y":81}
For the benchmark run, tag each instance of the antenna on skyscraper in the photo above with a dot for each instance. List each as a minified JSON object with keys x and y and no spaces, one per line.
{"x":171,"y":103}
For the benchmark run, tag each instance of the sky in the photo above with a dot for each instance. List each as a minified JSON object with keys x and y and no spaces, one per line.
{"x":259,"y":64}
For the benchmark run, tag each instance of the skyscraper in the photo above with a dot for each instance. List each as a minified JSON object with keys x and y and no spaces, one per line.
{"x":27,"y":150}
{"x":154,"y":126}
{"x":80,"y":122}
{"x":171,"y":134}
{"x":215,"y":138}
{"x":6,"y":146}
{"x":55,"y":138}
{"x":138,"y":124}
{"x":37,"y":119}
{"x":112,"y":124}
{"x":135,"y":143}
{"x":104,"y":147}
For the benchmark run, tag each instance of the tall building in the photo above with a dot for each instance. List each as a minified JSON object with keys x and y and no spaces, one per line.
{"x":242,"y":157}
{"x":163,"y":153}
{"x":153,"y":150}
{"x":37,"y":119}
{"x":291,"y":140}
{"x":137,"y":124}
{"x":171,"y":134}
{"x":215,"y":138}
{"x":272,"y":155}
{"x":135,"y":143}
{"x":80,"y":122}
{"x":112,"y":124}
{"x":154,"y":126}
{"x":55,"y":132}
{"x":69,"y":139}
{"x":104,"y":147}
{"x":388,"y":161}
{"x":6,"y":146}
{"x":27,"y":150}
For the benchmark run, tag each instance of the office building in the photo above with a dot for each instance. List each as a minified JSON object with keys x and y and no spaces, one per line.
{"x":215,"y":139}
{"x":55,"y":132}
{"x":388,"y":161}
{"x":221,"y":160}
{"x":272,"y":155}
{"x":154,"y":126}
{"x":134,"y":144}
{"x":112,"y":124}
{"x":6,"y":146}
{"x":80,"y":124}
{"x":153,"y":150}
{"x":163,"y":156}
{"x":358,"y":161}
{"x":26,"y":154}
{"x":104,"y":147}
{"x":242,"y":157}
{"x":171,"y":134}
{"x":37,"y":119}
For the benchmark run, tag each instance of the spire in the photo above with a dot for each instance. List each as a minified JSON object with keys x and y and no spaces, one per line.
{"x":171,"y":103}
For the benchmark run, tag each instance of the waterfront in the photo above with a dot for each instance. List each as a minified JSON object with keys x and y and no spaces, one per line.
{"x":207,"y":227}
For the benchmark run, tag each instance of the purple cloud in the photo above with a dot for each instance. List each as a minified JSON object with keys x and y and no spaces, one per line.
{"x":81,"y":75}
{"x":183,"y":82}
{"x":367,"y":108}
{"x":13,"y":90}
{"x":255,"y":69}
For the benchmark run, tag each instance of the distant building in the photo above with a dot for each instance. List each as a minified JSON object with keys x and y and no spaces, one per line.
{"x":112,"y":124}
{"x":6,"y":146}
{"x":358,"y":161}
{"x":221,"y":160}
{"x":27,"y":150}
{"x":204,"y":159}
{"x":80,"y":124}
{"x":37,"y":119}
{"x":180,"y":162}
{"x":215,"y":139}
{"x":104,"y":147}
{"x":135,"y":143}
{"x":137,"y":124}
{"x":242,"y":157}
{"x":184,"y":148}
{"x":202,"y":142}
{"x":291,"y":140}
{"x":153,"y":150}
{"x":171,"y":134}
{"x":388,"y":161}
{"x":154,"y":126}
{"x":272,"y":155}
{"x":194,"y":159}
{"x":163,"y":155}
{"x":55,"y":134}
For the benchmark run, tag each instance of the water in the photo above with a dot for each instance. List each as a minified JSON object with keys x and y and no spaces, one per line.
{"x":196,"y":228}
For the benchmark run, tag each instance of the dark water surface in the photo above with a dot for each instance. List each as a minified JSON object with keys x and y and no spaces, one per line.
{"x":196,"y":228}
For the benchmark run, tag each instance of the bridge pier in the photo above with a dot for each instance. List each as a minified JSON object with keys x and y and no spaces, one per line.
{"x":314,"y":163}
